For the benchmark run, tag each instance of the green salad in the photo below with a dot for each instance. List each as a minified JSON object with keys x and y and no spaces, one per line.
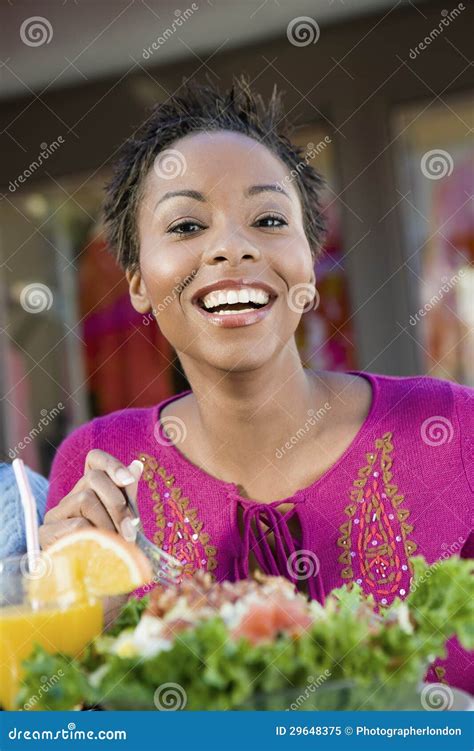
{"x":260,"y":644}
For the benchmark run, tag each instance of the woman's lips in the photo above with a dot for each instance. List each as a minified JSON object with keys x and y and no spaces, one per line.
{"x":234,"y":319}
{"x":232,"y":303}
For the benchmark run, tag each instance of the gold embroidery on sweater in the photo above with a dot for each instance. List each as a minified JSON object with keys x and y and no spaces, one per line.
{"x":178,"y":528}
{"x":371,"y":529}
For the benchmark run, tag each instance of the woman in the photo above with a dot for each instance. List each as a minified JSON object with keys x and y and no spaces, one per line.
{"x":321,"y":477}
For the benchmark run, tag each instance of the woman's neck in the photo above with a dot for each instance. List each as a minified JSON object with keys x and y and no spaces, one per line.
{"x":238,"y":420}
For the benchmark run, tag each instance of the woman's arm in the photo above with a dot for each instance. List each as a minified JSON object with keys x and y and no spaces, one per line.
{"x":68,"y":464}
{"x":86,"y":488}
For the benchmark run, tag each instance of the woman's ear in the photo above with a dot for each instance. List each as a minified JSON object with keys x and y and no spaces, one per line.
{"x":315,"y":300}
{"x":137,"y":290}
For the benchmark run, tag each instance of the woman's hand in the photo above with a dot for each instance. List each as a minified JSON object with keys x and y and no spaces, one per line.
{"x":97,"y":500}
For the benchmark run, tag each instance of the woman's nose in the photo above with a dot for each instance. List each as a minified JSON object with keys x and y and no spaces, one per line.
{"x":233,"y":247}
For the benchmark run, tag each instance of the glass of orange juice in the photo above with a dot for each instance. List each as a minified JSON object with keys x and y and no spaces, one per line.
{"x":40,"y":604}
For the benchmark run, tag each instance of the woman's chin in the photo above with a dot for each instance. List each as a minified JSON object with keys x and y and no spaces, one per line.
{"x":237,"y":359}
{"x":237,"y":350}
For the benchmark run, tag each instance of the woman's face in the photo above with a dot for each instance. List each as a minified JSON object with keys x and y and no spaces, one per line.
{"x":234,"y":244}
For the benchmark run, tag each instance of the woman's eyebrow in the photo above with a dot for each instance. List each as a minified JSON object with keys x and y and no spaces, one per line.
{"x":252,"y":191}
{"x":275,"y":188}
{"x":187,"y":193}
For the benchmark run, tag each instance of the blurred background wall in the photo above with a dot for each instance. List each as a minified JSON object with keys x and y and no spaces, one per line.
{"x":382,"y":95}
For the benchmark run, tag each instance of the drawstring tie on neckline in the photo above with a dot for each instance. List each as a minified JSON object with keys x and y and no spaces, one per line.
{"x":286,"y":559}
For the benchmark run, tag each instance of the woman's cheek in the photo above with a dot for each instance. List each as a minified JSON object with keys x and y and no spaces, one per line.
{"x":168,"y":314}
{"x":163,"y":276}
{"x":161,"y":272}
{"x":294,"y":263}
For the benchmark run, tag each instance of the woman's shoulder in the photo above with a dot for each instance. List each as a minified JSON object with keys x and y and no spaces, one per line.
{"x":126,"y":434}
{"x":122,"y":433}
{"x":437,"y":411}
{"x":407,"y":404}
{"x":414,"y":394}
{"x":111,"y":428}
{"x":125,"y":424}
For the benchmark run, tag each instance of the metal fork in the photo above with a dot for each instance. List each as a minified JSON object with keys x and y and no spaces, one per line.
{"x":167,"y":570}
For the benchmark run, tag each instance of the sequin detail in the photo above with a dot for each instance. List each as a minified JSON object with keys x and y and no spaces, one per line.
{"x":178,"y":529}
{"x":378,"y":536}
{"x":440,"y":673}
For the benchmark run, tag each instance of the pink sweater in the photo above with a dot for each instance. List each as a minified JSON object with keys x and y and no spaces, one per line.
{"x":404,"y":486}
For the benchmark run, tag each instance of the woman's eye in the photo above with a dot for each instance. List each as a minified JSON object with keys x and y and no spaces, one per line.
{"x":271,"y":221}
{"x":190,"y":227}
{"x":185,"y":228}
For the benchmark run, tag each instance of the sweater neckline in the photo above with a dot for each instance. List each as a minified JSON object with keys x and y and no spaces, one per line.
{"x":231,"y":488}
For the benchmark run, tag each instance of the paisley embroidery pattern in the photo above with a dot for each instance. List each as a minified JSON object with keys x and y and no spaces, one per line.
{"x":376,"y":549}
{"x":178,"y":529}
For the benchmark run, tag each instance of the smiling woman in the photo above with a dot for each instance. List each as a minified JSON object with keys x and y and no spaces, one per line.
{"x":215,"y":218}
{"x":249,"y":228}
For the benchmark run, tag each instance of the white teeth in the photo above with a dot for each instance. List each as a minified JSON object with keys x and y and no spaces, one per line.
{"x":233,"y":312}
{"x":232,"y":296}
{"x":212,"y":300}
{"x":259,"y":296}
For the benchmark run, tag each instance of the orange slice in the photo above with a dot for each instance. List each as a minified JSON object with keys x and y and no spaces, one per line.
{"x":99,"y":563}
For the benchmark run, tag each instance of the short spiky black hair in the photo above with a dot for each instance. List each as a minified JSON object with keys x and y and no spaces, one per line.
{"x":203,"y":108}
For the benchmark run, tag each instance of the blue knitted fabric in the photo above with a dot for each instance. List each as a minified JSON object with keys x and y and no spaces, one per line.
{"x":12,"y":527}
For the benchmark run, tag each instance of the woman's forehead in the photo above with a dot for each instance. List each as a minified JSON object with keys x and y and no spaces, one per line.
{"x":217,"y":158}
